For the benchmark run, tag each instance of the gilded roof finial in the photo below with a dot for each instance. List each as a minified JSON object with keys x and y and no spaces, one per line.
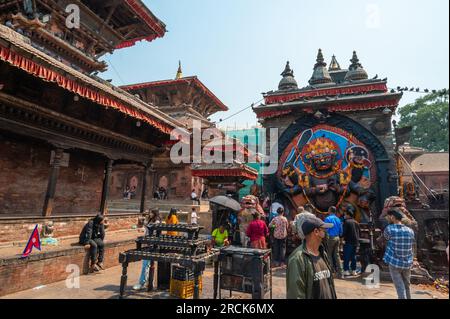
{"x":179,"y":72}
{"x":334,"y":65}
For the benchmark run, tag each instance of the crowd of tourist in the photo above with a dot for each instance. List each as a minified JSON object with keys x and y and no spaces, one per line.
{"x":313,"y":265}
{"x":316,"y":262}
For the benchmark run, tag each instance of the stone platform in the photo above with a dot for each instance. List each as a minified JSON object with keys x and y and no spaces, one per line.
{"x":105,"y":285}
{"x":51,"y":264}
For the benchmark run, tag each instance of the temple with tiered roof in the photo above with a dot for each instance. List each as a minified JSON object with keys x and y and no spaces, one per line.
{"x":63,"y":129}
{"x":189,"y":101}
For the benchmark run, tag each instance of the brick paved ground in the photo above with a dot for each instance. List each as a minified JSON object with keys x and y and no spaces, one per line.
{"x":105,"y":285}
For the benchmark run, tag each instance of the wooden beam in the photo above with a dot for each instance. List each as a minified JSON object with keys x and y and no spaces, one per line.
{"x":64,"y":119}
{"x":106,"y":186}
{"x":144,"y":188}
{"x":51,"y":186}
{"x":133,"y":30}
{"x":112,"y":9}
{"x":128,"y":27}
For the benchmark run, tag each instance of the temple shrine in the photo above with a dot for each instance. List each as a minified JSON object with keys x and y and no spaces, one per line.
{"x":187,"y":99}
{"x":336,"y":145}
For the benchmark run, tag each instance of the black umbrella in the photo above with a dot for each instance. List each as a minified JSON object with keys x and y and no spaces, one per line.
{"x":226,"y":202}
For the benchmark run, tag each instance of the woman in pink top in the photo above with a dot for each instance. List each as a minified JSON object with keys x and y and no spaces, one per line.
{"x":257,"y":231}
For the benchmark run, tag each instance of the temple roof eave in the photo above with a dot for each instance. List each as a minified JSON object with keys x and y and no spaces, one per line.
{"x":14,"y":46}
{"x":224,"y":170}
{"x":322,"y":102}
{"x":189,"y":81}
{"x":324,"y":86}
{"x":148,"y":19}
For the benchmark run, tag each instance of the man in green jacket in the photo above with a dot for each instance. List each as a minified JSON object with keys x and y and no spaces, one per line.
{"x":309,"y":273}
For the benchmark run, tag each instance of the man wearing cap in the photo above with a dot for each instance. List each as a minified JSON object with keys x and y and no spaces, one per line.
{"x":309,"y":273}
{"x":399,"y":253}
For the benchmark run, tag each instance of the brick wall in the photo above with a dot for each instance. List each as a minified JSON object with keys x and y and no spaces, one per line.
{"x":24,"y":177}
{"x":43,"y":269}
{"x":18,"y":230}
{"x":127,"y":175}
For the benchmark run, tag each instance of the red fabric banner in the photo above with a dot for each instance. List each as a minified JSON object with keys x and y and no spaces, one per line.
{"x":236,"y":172}
{"x":49,"y":75}
{"x":272,"y":113}
{"x":130,"y":43}
{"x":343,"y":107}
{"x":284,"y":98}
{"x":389,"y":103}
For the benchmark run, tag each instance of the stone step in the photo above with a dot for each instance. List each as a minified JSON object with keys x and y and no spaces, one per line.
{"x":134,"y":206}
{"x":168,"y":202}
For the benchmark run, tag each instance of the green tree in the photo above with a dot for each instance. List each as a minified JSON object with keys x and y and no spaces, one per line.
{"x":428,"y":116}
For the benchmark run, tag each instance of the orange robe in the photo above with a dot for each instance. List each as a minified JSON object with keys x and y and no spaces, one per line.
{"x":173,"y":220}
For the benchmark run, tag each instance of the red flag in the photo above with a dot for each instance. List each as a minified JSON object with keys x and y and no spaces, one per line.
{"x":34,"y":241}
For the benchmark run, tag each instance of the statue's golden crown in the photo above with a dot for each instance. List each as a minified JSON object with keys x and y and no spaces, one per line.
{"x":320,"y":146}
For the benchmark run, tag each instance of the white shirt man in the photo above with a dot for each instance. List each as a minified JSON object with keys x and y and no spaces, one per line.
{"x":194,"y":217}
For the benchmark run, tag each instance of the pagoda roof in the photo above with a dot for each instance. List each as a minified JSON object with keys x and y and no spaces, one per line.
{"x":192,"y":81}
{"x":134,"y":20}
{"x":16,"y":50}
{"x":231,"y":170}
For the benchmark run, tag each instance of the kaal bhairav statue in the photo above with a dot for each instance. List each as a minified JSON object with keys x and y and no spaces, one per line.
{"x":326,"y":167}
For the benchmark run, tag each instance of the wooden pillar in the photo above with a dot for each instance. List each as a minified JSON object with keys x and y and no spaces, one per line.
{"x":144,"y":189}
{"x":155,"y":180}
{"x":51,"y":186}
{"x":106,"y":185}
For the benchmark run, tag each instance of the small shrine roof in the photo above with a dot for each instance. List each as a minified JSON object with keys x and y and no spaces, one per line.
{"x":187,"y":81}
{"x":235,"y":169}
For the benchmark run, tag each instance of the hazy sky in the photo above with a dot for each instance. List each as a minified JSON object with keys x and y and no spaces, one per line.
{"x":238,"y":48}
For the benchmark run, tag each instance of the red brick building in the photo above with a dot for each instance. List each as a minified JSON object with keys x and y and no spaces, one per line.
{"x":62,"y":129}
